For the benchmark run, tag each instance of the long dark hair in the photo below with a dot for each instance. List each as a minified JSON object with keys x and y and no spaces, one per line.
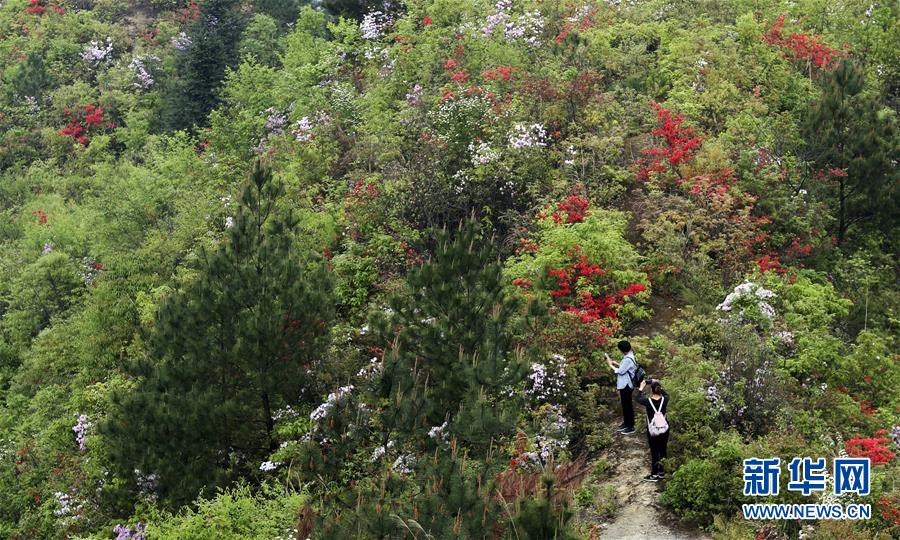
{"x":656,"y":387}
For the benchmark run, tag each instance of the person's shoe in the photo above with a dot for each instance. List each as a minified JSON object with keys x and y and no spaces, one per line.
{"x":621,"y":429}
{"x":651,"y":478}
{"x":661,"y":475}
{"x":627,"y":431}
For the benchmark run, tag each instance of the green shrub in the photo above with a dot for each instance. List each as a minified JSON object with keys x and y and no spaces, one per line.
{"x":239,"y":513}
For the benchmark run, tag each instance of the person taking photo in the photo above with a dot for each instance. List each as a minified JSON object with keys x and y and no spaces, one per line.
{"x":657,"y":426}
{"x":624,"y":384}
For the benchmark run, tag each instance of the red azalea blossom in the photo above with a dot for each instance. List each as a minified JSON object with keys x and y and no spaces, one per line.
{"x":681,"y":144}
{"x":797,"y":46}
{"x":83,"y":120}
{"x":889,"y":508}
{"x":427,"y":21}
{"x":767,"y":263}
{"x":460,"y":76}
{"x":572,"y":210}
{"x":35,"y":8}
{"x":500,"y":72}
{"x":874,"y":448}
{"x":42,"y":216}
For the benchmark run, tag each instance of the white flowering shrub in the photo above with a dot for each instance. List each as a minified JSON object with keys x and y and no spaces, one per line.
{"x":547,"y":381}
{"x":748,"y":303}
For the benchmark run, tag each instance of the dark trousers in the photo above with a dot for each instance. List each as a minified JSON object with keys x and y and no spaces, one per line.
{"x":627,"y":406}
{"x":657,"y":451}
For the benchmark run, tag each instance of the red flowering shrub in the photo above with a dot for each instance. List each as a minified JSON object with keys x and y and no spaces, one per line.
{"x":768,"y":263}
{"x":191,"y":12}
{"x":889,"y":508}
{"x":42,"y":216}
{"x":680,"y":144}
{"x":35,"y":8}
{"x":797,"y":46}
{"x":83,"y":121}
{"x":572,"y":210}
{"x":500,"y":72}
{"x":874,"y":448}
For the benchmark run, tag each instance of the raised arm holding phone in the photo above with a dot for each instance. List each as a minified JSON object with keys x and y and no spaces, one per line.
{"x":624,"y":384}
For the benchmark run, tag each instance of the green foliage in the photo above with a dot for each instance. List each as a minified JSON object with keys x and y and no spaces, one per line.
{"x":133,"y":296}
{"x":251,"y":325}
{"x":850,"y":139}
{"x":710,"y":485}
{"x":264,"y":512}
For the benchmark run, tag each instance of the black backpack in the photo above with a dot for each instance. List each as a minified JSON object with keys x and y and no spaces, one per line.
{"x":638,"y":376}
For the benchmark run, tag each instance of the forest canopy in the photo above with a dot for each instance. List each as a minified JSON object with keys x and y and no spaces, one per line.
{"x":346,"y":268}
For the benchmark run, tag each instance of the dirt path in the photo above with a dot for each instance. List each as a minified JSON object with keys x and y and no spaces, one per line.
{"x":640,"y":516}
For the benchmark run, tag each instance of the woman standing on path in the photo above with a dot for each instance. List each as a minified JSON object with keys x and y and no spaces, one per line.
{"x":624,"y":385}
{"x":657,"y":426}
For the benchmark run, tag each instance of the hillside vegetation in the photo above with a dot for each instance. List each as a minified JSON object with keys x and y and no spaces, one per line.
{"x":349,"y":269}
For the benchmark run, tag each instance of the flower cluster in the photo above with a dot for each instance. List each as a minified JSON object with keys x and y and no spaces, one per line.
{"x":681,"y":143}
{"x":124,"y":532}
{"x":90,"y":271}
{"x":770,"y":263}
{"x":752,"y":292}
{"x":374,"y":24}
{"x":482,"y":153}
{"x":527,"y":27}
{"x":267,"y":466}
{"x":141,"y":68}
{"x":70,"y":508}
{"x":571,"y":210}
{"x":889,"y":508}
{"x":798,"y":46}
{"x":404,"y":464}
{"x":438,"y":433}
{"x":414,"y":96}
{"x":874,"y":448}
{"x":97,"y":52}
{"x":181,"y":41}
{"x":551,"y":438}
{"x":83,"y":120}
{"x":37,"y":7}
{"x":303,"y":129}
{"x":81,"y":431}
{"x":582,"y":19}
{"x":527,"y":136}
{"x":547,"y":381}
{"x":372,"y":370}
{"x":275,"y":121}
{"x":380,"y":452}
{"x":503,"y":73}
{"x":326,"y":407}
{"x":42,"y":216}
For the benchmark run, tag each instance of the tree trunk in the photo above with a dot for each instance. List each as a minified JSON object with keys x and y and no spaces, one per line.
{"x":270,"y":423}
{"x":842,"y":211}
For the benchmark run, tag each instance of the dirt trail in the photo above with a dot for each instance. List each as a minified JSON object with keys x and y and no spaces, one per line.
{"x":640,"y":515}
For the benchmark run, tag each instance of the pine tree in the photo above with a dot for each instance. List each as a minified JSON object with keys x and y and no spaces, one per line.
{"x":451,"y":355}
{"x":852,"y":141}
{"x":225,"y":352}
{"x":214,"y":36}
